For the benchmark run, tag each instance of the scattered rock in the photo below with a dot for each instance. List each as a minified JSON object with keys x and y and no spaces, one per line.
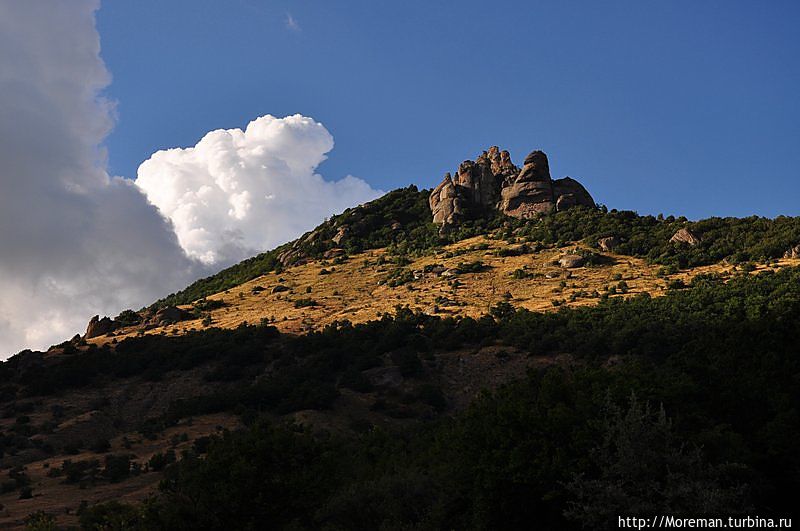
{"x":608,"y":244}
{"x":685,"y":236}
{"x":99,"y":327}
{"x":794,"y":252}
{"x":279,"y":289}
{"x":569,"y":261}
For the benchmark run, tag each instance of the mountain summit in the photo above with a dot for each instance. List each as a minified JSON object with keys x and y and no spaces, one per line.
{"x":493,"y":182}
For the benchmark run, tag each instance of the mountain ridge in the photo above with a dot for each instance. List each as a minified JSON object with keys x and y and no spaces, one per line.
{"x":381,"y":358}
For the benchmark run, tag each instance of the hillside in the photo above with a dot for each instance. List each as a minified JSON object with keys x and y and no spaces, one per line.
{"x":394,"y":369}
{"x":467,"y":278}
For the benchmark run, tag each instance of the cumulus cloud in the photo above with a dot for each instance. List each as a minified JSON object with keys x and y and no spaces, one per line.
{"x":73,"y":240}
{"x":238,"y":192}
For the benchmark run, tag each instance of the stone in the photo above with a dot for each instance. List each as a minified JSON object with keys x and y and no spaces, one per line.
{"x":99,"y":327}
{"x":446,"y":202}
{"x":334,"y":253}
{"x":491,"y":182}
{"x":577,"y":194}
{"x":685,"y":236}
{"x":608,"y":243}
{"x":170,"y":314}
{"x":279,"y":288}
{"x":794,"y":252}
{"x":341,"y":234}
{"x":569,"y":261}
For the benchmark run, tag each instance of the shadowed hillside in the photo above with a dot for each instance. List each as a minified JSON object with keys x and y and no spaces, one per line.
{"x":385,"y":371}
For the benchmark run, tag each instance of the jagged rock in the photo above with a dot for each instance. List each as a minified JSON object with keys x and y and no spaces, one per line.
{"x":492,"y":182}
{"x":341,"y":234}
{"x":530,"y":194}
{"x":477,"y":183}
{"x":99,"y":327}
{"x":794,"y":252}
{"x":569,"y":261}
{"x":608,"y":244}
{"x":290,"y":256}
{"x":446,"y":203}
{"x":170,"y":314}
{"x":685,"y":236}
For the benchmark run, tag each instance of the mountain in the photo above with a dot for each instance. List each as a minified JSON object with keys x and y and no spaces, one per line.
{"x":496,"y":353}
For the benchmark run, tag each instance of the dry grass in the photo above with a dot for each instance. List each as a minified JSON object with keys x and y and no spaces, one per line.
{"x":354,"y":290}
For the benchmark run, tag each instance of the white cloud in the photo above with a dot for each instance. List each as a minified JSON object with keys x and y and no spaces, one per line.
{"x":75,"y":242}
{"x":291,"y":23}
{"x":239,"y":192}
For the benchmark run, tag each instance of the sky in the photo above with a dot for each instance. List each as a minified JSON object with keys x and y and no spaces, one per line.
{"x":678,"y":107}
{"x":146,"y":144}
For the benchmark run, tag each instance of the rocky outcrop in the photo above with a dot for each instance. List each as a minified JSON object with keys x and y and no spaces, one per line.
{"x":569,"y":261}
{"x":530,"y":193}
{"x":685,"y":236}
{"x":492,"y":182}
{"x":170,"y":314}
{"x":99,"y":327}
{"x":794,"y":252}
{"x":608,"y":244}
{"x":341,"y":234}
{"x":447,"y":203}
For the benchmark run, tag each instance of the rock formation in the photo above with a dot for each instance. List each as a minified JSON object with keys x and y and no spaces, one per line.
{"x":99,"y":327}
{"x":492,"y":182}
{"x":794,"y":252}
{"x":608,"y":244}
{"x":569,"y":261}
{"x":685,"y":236}
{"x":170,"y":314}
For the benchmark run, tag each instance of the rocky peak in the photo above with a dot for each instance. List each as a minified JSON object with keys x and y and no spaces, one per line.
{"x":493,"y":182}
{"x":99,"y":327}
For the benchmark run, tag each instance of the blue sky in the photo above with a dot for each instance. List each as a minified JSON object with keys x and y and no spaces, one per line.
{"x":676,"y":107}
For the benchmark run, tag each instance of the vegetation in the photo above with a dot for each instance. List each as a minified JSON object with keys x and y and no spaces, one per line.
{"x":401,"y":221}
{"x":695,"y":391}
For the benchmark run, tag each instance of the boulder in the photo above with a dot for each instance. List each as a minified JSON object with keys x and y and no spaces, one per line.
{"x":334,"y":253}
{"x":794,"y":252}
{"x":279,"y":289}
{"x":608,"y":243}
{"x":530,"y":193}
{"x":573,"y":191}
{"x":170,"y":314}
{"x":341,"y":234}
{"x":685,"y":236}
{"x":569,"y":261}
{"x":99,"y":327}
